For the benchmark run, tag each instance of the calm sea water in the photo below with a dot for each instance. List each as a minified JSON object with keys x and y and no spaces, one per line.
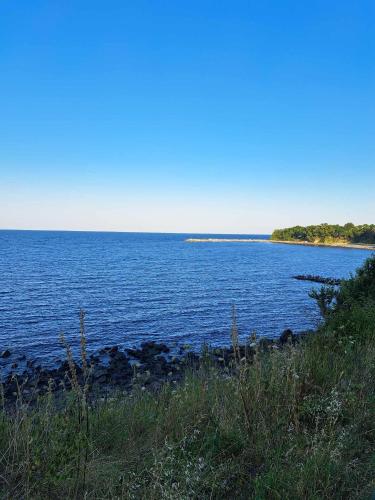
{"x":137,"y":286}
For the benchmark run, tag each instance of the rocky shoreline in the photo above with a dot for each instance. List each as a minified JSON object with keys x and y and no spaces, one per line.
{"x":351,"y":246}
{"x":146,"y":368}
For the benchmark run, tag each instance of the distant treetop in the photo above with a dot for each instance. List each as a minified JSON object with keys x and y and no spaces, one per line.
{"x":327,"y":233}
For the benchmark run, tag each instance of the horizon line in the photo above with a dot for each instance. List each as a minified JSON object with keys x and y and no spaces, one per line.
{"x":129,"y":232}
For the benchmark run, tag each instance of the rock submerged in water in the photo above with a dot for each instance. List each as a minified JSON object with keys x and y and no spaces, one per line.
{"x":6,"y":353}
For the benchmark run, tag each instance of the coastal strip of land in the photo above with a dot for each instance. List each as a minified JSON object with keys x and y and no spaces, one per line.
{"x":358,"y":246}
{"x":226,"y":240}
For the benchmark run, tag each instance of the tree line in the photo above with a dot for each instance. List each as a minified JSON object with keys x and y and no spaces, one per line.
{"x":327,"y":233}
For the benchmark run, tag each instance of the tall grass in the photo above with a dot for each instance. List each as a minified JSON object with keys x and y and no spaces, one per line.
{"x":294,"y":423}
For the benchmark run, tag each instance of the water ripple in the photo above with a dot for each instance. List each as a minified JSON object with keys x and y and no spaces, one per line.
{"x":153,"y":286}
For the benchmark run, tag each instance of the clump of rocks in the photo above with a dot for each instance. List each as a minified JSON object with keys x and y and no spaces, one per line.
{"x":318,"y":279}
{"x":148,"y":366}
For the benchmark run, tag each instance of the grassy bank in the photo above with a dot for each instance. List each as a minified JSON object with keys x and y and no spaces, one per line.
{"x":296,"y":423}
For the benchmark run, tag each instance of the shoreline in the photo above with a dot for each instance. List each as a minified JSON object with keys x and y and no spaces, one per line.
{"x":356,"y":246}
{"x":149,"y":366}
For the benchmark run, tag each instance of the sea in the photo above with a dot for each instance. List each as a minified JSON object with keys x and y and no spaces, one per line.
{"x":136,"y":287}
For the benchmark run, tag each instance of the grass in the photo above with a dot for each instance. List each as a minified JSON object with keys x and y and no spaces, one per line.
{"x":296,"y":423}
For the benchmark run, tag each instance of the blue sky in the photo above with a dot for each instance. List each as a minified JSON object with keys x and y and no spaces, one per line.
{"x":199,"y":116}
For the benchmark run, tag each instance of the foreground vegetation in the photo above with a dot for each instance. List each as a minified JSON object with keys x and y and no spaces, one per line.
{"x":328,"y":233}
{"x":297,"y":422}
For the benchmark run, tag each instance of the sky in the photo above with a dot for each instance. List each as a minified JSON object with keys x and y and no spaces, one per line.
{"x":186,"y":116}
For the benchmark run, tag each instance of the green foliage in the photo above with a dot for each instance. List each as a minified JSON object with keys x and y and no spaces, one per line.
{"x":298,"y":421}
{"x":327,"y":233}
{"x":360,"y":288}
{"x":352,"y":310}
{"x":324,"y":298}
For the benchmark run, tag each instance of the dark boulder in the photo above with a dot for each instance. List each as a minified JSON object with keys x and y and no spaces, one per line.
{"x":192,"y":359}
{"x":286,"y":336}
{"x":158,"y":366}
{"x":6,"y":353}
{"x":264,"y":343}
{"x":119,"y":364}
{"x":113,"y":350}
{"x":100,"y":374}
{"x":148,"y":351}
{"x":108,"y":350}
{"x":154,"y":348}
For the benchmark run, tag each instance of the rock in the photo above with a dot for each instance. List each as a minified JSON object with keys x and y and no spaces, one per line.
{"x":118,"y":356}
{"x":99,"y":372}
{"x":120,"y":367}
{"x":113,"y":350}
{"x":144,"y":366}
{"x":152,"y":348}
{"x":158,"y":366}
{"x":286,"y":336}
{"x":264,"y":344}
{"x":142,"y":354}
{"x":132,"y":352}
{"x":10,"y":388}
{"x":318,"y":279}
{"x":6,"y":353}
{"x":44,"y":376}
{"x":121,"y":378}
{"x":101,"y":380}
{"x":191,"y":358}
